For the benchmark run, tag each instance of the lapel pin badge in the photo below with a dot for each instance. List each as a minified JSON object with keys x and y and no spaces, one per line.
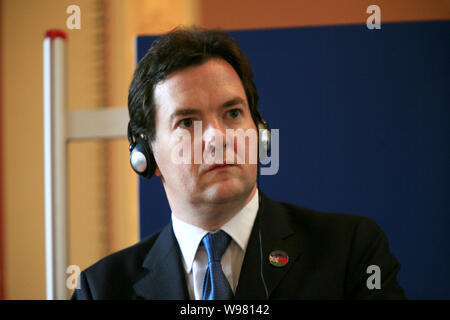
{"x":278,"y":258}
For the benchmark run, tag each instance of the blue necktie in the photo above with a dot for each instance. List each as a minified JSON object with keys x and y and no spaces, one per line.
{"x":215,"y":284}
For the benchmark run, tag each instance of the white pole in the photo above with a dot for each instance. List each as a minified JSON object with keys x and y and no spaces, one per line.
{"x":56,"y":236}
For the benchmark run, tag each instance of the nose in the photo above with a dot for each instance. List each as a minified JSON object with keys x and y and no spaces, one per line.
{"x":214,"y":135}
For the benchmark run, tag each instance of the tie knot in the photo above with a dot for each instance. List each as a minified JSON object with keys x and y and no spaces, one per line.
{"x":216,"y":244}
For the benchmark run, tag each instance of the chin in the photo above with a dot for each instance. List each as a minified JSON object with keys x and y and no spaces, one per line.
{"x":225,"y":191}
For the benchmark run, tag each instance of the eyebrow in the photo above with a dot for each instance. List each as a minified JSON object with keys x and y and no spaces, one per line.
{"x":190,"y":111}
{"x":233,"y":102}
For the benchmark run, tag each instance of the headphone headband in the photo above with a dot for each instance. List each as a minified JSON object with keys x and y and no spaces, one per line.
{"x":131,"y":141}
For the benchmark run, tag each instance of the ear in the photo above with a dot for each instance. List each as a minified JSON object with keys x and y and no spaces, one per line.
{"x":159,"y":174}
{"x":157,"y":171}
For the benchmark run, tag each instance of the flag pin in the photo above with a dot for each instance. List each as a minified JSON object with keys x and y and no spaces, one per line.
{"x":278,"y":258}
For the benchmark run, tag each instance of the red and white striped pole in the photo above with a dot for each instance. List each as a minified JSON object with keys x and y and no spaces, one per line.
{"x":55,"y":172}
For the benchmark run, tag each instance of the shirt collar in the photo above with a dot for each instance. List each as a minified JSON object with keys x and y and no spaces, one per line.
{"x":239,"y":229}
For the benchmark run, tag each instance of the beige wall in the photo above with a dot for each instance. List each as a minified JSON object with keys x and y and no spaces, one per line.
{"x":125,"y":20}
{"x":102,"y":188}
{"x":24,"y":25}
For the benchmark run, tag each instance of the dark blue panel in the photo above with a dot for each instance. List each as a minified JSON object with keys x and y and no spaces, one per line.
{"x":364,"y":119}
{"x":153,"y":206}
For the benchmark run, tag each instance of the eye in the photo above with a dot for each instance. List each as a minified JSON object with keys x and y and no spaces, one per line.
{"x":234,"y":113}
{"x":186,"y":123}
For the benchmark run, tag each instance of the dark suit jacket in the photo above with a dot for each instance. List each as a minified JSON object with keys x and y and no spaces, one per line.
{"x":328,"y":259}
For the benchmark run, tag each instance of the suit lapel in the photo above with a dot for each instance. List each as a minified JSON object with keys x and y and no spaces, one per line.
{"x":272,"y":227}
{"x":165,"y":278}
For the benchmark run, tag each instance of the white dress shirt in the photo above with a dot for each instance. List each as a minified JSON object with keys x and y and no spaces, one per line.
{"x":195,"y":259}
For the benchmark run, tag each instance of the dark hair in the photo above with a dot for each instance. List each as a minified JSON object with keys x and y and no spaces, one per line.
{"x":178,"y":49}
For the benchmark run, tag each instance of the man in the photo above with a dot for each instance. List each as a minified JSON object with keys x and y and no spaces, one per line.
{"x":226,"y":240}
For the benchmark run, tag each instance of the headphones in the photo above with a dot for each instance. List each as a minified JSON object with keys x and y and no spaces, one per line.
{"x":143,"y":162}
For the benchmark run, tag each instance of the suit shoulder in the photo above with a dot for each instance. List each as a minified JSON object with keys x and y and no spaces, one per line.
{"x":348,"y":242}
{"x":127,"y":261}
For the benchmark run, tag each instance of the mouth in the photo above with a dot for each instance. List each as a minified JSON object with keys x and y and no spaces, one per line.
{"x":220,"y":167}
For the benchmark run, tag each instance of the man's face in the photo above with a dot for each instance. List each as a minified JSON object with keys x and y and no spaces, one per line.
{"x":213,"y":94}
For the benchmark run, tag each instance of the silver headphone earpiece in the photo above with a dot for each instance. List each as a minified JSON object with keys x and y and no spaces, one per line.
{"x":265,"y":140}
{"x":138,"y":161}
{"x":141,"y":156}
